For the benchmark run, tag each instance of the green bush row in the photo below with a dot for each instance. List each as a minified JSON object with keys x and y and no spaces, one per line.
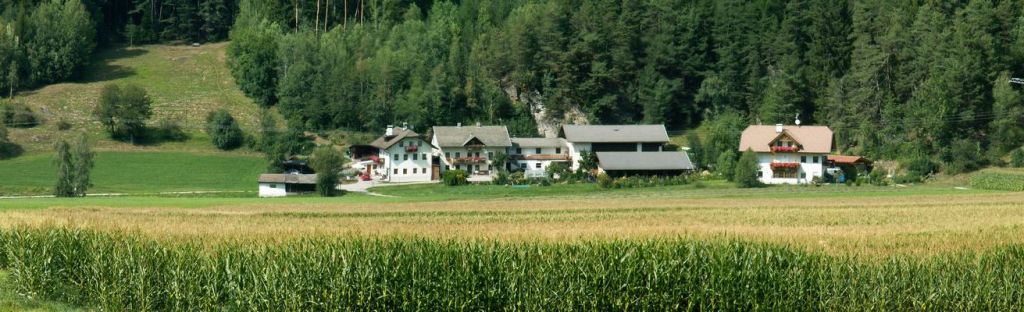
{"x":1002,"y":181}
{"x":123,"y":272}
{"x":606,"y":181}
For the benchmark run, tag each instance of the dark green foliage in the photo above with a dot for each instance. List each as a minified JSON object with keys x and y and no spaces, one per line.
{"x":696,"y":151}
{"x":224,"y":130}
{"x":123,"y":110}
{"x":726,"y":165}
{"x":122,"y":272}
{"x":1017,"y":158}
{"x":723,"y":134}
{"x":588,"y":160}
{"x":74,"y":162}
{"x":8,"y":149}
{"x":454,"y":178}
{"x":641,"y":181}
{"x":328,"y":163}
{"x":168,"y":130}
{"x":963,"y":155}
{"x":17,"y":115}
{"x":746,"y":170}
{"x":558,"y":169}
{"x":996,"y":180}
{"x":917,"y":169}
{"x":252,"y":55}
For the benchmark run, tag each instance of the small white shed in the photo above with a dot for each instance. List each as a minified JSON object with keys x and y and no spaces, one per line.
{"x":279,"y":185}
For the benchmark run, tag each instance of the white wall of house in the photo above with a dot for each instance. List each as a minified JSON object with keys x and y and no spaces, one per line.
{"x":404,"y":165}
{"x":272,"y":190}
{"x":449,"y":154}
{"x":531,"y":165}
{"x":811,"y":165}
{"x":575,"y":148}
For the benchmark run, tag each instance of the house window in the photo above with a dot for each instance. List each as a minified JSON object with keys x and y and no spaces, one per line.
{"x":803,"y":175}
{"x":815,"y":158}
{"x":456,"y":154}
{"x":405,"y":156}
{"x":424,"y":156}
{"x":537,"y":165}
{"x":273,"y":186}
{"x":447,"y":155}
{"x":396,"y":157}
{"x":519,"y":151}
{"x":478,"y":154}
{"x":458,"y":167}
{"x":538,"y":150}
{"x":558,"y":150}
{"x":784,"y":174}
{"x":415,"y":156}
{"x":803,"y":159}
{"x":490,"y":154}
{"x":447,"y":167}
{"x":401,"y":144}
{"x":405,"y":171}
{"x":396,"y":170}
{"x":760,"y":174}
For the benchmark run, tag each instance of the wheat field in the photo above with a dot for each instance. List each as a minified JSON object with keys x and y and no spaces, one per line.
{"x":869,"y":222}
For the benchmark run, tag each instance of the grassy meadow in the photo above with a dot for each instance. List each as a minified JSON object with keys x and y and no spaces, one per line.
{"x":140,"y":172}
{"x":184,"y":83}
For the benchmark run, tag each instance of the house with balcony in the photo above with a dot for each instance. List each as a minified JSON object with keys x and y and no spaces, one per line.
{"x":534,"y":155}
{"x":470,"y":148}
{"x":625,"y":149}
{"x":788,"y":154}
{"x":402,"y":156}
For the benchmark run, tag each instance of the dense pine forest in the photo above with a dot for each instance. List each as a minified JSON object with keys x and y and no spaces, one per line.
{"x":922,"y":81}
{"x":926,"y":82}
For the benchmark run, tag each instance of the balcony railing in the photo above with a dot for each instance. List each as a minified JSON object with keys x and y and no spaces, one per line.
{"x":412,"y":148}
{"x":785,"y":149}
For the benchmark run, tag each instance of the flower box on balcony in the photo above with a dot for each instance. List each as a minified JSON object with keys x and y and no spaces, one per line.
{"x":785,"y":165}
{"x":785,"y":149}
{"x":411,"y":148}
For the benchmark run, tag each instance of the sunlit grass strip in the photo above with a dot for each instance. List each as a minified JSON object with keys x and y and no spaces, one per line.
{"x":125,"y":272}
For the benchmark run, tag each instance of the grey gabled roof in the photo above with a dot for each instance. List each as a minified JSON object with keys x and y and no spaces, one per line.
{"x":615,"y":133}
{"x":288,"y":178}
{"x":644,"y":161}
{"x":385,"y":142}
{"x":458,"y":136}
{"x":538,"y":142}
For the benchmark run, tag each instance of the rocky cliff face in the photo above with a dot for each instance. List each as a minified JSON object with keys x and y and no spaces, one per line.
{"x":547,"y":126}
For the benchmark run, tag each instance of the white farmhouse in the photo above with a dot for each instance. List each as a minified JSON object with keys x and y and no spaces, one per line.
{"x":534,"y":155}
{"x":471,"y":148}
{"x":403,"y":156}
{"x":788,"y":154}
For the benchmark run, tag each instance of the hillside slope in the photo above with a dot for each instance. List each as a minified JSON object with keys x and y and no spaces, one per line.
{"x":184,"y":83}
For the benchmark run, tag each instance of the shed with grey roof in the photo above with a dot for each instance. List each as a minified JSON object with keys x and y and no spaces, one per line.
{"x":644,"y":163}
{"x":281,"y":184}
{"x":615,"y":133}
{"x":538,"y":142}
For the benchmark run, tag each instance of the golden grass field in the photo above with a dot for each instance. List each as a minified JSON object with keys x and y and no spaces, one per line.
{"x":871,"y":221}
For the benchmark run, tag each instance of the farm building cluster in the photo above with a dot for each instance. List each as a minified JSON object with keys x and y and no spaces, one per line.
{"x":786,"y":154}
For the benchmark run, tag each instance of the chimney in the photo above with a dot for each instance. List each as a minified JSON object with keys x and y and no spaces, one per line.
{"x":390,"y":131}
{"x":405,"y":125}
{"x":778,"y":128}
{"x":797,"y":120}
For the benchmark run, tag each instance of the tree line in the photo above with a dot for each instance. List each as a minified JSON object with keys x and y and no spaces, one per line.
{"x":894,"y":79}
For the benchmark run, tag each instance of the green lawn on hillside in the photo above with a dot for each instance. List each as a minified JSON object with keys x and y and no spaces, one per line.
{"x":183,"y":82}
{"x":139,"y":172}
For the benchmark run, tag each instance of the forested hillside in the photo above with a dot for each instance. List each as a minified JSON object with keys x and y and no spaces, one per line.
{"x":895,"y":79}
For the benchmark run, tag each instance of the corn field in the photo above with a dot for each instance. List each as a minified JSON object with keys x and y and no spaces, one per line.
{"x":129,"y":272}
